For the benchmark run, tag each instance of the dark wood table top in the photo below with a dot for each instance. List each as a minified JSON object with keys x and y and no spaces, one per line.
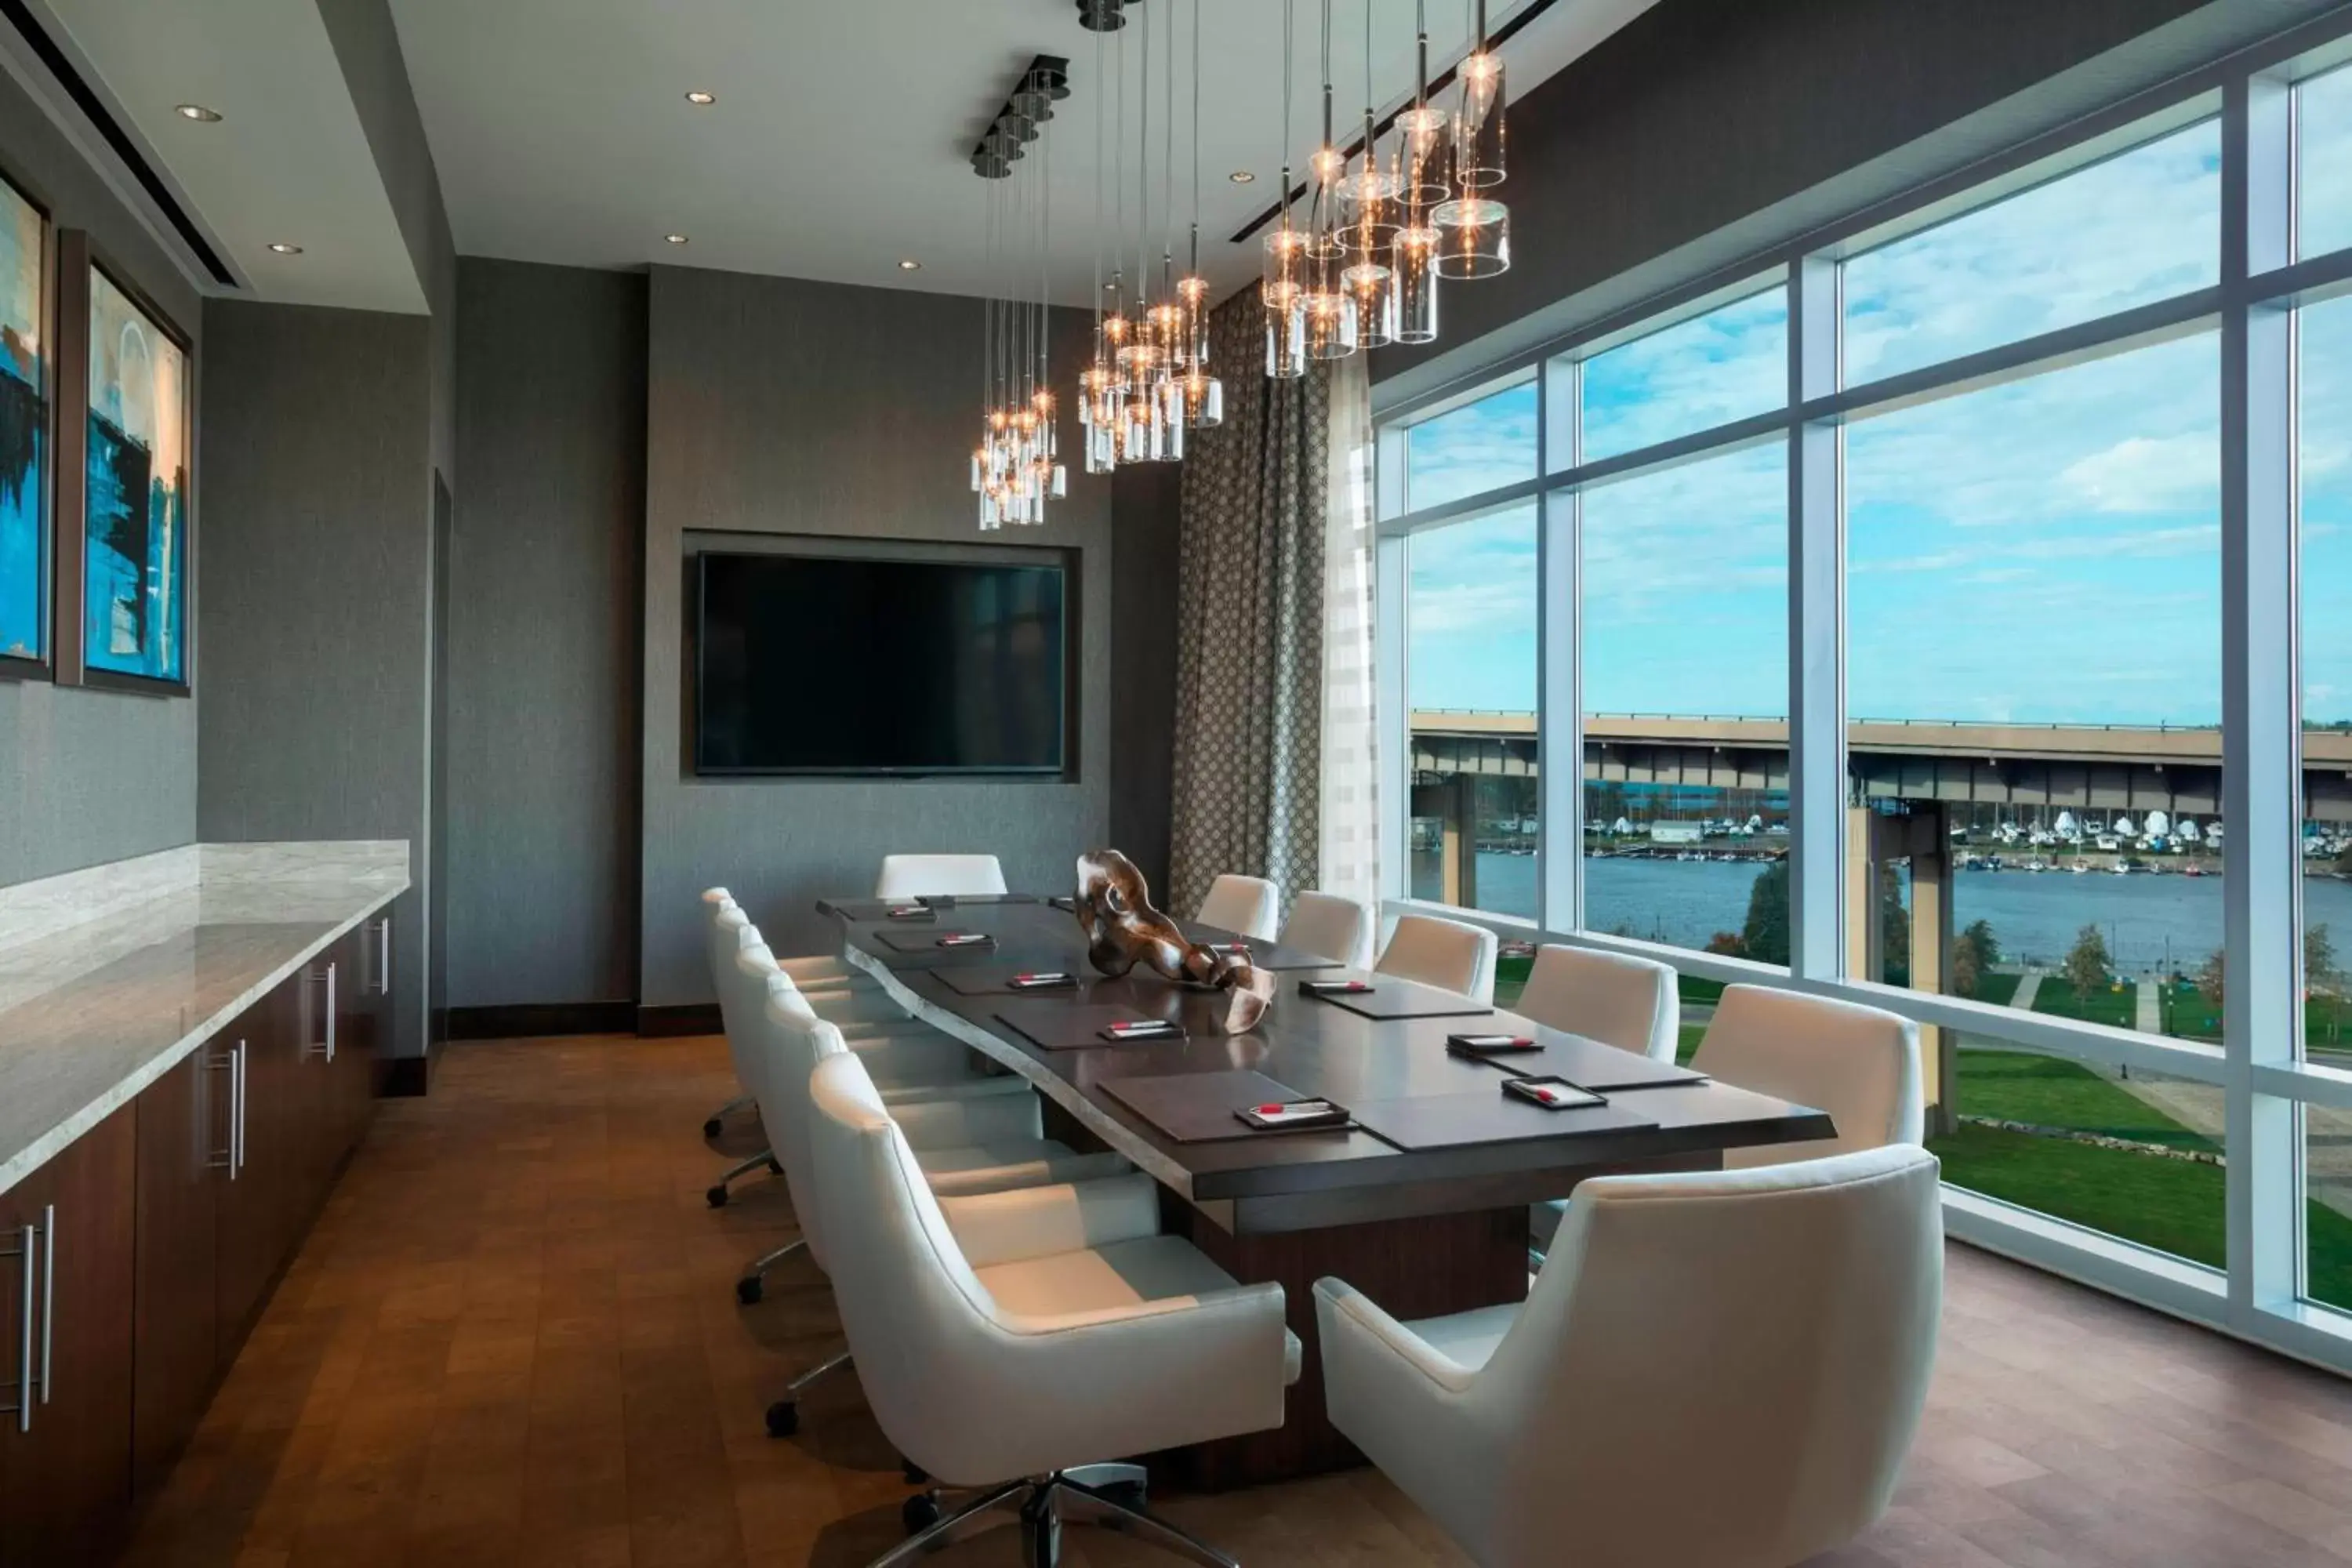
{"x":1298,"y":1180}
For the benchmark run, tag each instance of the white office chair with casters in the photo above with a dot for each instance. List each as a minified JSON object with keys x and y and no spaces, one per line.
{"x":964,"y":1144}
{"x":1247,"y":906}
{"x":1860,"y":1064}
{"x":1330,"y":927}
{"x":1449,"y":954}
{"x":1621,"y":1001}
{"x":1012,"y":1343}
{"x":938,"y":876}
{"x":1716,"y":1370}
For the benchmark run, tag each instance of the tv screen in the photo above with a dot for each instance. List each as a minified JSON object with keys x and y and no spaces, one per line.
{"x":823,"y":664}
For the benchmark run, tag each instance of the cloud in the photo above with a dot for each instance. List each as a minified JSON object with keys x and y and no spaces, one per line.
{"x":2141,"y":473}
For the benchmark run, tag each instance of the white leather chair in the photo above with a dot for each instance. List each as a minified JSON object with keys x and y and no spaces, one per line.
{"x":1860,"y":1064}
{"x":716,"y":903}
{"x":1715,"y":1369}
{"x":1629,"y":1003}
{"x":938,"y":876}
{"x":1013,"y":1342}
{"x":1330,"y":927}
{"x":1448,"y":955}
{"x":1247,"y":906}
{"x":970,"y":1143}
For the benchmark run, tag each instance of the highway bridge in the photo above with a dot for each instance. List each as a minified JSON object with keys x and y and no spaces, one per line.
{"x":2059,"y":766}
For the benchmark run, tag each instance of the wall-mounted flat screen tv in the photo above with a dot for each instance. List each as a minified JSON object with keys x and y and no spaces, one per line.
{"x":849,"y":665}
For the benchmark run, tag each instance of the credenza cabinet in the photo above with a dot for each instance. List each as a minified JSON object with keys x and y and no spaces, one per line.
{"x":134,"y":1263}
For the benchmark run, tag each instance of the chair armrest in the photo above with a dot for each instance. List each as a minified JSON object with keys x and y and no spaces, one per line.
{"x":1039,"y":1222}
{"x":967,"y":1120}
{"x":1382,"y":1343}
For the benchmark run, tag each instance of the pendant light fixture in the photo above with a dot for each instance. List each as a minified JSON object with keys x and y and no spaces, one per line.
{"x":1330,"y":308}
{"x":1368,"y":199}
{"x":1282,"y":285}
{"x":1101,"y":395}
{"x":1425,"y":161}
{"x":1473,"y":227}
{"x":1203,"y":395}
{"x":1016,"y":468}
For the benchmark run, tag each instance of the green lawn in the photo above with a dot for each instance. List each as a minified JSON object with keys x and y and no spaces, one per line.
{"x":2048,"y":1091}
{"x":1997,"y":988}
{"x":2111,"y":1005}
{"x":2173,"y":1205}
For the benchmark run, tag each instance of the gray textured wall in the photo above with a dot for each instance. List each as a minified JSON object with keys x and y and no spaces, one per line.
{"x":317,"y":555}
{"x":1145,"y":502}
{"x":780,"y":407}
{"x":547,"y":575}
{"x":91,"y":776}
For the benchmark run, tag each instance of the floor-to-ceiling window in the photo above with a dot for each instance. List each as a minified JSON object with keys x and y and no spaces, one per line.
{"x":2056,"y":459}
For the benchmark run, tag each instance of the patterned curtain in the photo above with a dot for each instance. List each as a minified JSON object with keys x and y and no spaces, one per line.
{"x":1249,"y":650}
{"x":1350,"y":804}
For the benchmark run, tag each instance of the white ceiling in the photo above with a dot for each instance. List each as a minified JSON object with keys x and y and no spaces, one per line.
{"x":839,"y":142}
{"x":288,"y":159}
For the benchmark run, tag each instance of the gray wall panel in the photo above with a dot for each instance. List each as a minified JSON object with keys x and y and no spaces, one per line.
{"x":1143,"y":664}
{"x":780,"y":407}
{"x":316,"y":572}
{"x":545,"y":663}
{"x":92,"y":776}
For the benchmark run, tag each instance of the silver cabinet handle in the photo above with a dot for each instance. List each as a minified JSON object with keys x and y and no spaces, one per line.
{"x":384,"y":956}
{"x":23,"y":1409}
{"x":226,"y":1158}
{"x":330,"y":1010}
{"x":324,"y":1044}
{"x":237,"y":1112}
{"x":48,"y":1291}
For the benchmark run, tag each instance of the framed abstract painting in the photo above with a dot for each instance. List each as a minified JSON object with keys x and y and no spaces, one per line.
{"x":134,"y":492}
{"x":25,"y":565}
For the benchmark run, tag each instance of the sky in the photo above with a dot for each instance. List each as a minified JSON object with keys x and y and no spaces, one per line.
{"x":2043,"y":550}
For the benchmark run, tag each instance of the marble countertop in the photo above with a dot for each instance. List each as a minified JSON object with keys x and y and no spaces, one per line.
{"x":110,"y":978}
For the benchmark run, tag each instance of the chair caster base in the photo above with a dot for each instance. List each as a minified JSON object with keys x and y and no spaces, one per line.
{"x":747,"y":1291}
{"x":716,"y":1197}
{"x":919,"y":1512}
{"x":783,"y":1418}
{"x":914,"y":1473}
{"x":710,"y":1129}
{"x":774,"y":1169}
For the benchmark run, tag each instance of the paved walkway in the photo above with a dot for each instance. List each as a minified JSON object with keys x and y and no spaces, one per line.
{"x":2149,"y":1019}
{"x":2028,"y":985}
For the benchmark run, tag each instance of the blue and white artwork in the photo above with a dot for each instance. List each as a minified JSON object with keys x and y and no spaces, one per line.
{"x":24,"y":397}
{"x":135,"y":597}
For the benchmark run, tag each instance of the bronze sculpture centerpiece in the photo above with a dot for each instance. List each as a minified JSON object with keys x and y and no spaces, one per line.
{"x":1123,"y":930}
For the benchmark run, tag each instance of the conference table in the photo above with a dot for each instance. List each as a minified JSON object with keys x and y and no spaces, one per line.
{"x":1422,"y":1202}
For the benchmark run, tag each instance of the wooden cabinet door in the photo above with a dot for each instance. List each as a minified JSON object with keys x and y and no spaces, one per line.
{"x":65,"y":1474}
{"x":258,"y":1208}
{"x":183,"y":1131}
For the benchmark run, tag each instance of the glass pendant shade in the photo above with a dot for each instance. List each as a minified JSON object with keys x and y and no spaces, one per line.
{"x":1192,"y":296}
{"x":1330,"y":324}
{"x":1286,"y":335}
{"x":1204,"y":401}
{"x":1373,"y":286}
{"x":1285,"y":267}
{"x":1478,"y":139}
{"x":1474,"y":238}
{"x":1414,"y":260}
{"x":1424,"y":157}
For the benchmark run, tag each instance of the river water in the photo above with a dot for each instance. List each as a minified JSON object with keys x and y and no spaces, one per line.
{"x":2149,"y":922}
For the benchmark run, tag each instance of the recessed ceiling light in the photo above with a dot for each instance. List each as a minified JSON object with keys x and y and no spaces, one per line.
{"x":700,"y":98}
{"x":910,"y":265}
{"x":675,"y":238}
{"x":196,"y":112}
{"x":282,"y":248}
{"x":1241,"y":176}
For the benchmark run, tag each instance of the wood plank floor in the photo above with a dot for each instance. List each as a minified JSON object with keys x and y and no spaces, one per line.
{"x":512,"y":1339}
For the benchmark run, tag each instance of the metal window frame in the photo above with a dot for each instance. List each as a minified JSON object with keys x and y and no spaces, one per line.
{"x":2252,"y":309}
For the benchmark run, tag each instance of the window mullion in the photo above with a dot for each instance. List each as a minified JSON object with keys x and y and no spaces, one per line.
{"x":1560,"y":709}
{"x":1816,"y":635}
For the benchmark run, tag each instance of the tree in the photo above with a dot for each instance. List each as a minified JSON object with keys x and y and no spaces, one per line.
{"x":1728,"y":943}
{"x":1765,"y":936}
{"x":1894,"y":928}
{"x":1974,"y":953}
{"x":2087,"y":963}
{"x":2213,"y":977}
{"x":2319,"y":958}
